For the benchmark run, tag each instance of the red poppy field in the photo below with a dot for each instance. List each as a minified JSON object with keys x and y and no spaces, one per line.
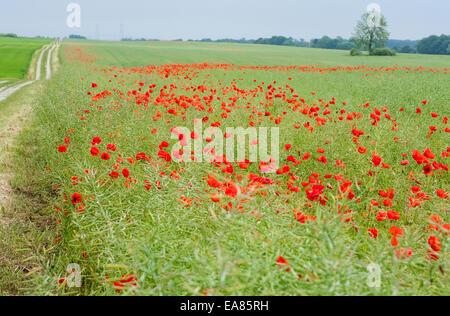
{"x":361,"y":179}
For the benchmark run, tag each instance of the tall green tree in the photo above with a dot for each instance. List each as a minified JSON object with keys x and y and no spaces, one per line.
{"x":370,"y":33}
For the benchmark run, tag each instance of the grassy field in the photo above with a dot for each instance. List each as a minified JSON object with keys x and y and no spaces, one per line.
{"x":137,"y":222}
{"x":128,"y":54}
{"x":16,"y":54}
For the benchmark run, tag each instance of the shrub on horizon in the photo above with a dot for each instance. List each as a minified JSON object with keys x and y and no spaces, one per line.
{"x":382,"y":51}
{"x":355,"y":52}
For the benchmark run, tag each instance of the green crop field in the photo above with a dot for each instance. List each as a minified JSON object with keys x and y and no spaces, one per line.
{"x":361,"y":177}
{"x":16,"y":54}
{"x":142,"y":53}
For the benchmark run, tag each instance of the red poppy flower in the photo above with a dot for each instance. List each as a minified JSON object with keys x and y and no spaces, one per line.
{"x":164,"y":144}
{"x":428,"y":170}
{"x":435,"y":243}
{"x":393,"y":215}
{"x":442,"y":194}
{"x":140,"y":156}
{"x":373,"y":232}
{"x":165,"y":155}
{"x":96,"y":140}
{"x":282,"y":263}
{"x":281,"y":260}
{"x":76,"y":198}
{"x":376,"y":160}
{"x":322,"y":159}
{"x":114,"y":174}
{"x":94,"y":151}
{"x":111,"y":147}
{"x":419,"y":158}
{"x":231,"y":190}
{"x":395,"y":231}
{"x":427,"y":153}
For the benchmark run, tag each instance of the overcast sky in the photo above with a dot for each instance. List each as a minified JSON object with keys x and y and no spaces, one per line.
{"x":197,"y":19}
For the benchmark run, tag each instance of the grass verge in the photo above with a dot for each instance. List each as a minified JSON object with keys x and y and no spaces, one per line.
{"x":26,"y":230}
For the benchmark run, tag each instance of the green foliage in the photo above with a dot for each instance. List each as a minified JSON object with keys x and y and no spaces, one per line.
{"x":391,"y":43}
{"x":345,"y":45}
{"x":382,"y":51}
{"x":280,"y":40}
{"x":75,"y":36}
{"x":330,"y":43}
{"x":8,"y":35}
{"x":369,"y":37}
{"x":434,"y":45}
{"x":355,"y":52}
{"x":405,"y":49}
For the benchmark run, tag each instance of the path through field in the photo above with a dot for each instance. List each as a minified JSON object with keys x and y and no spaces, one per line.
{"x":49,"y":58}
{"x":39,"y":63}
{"x":10,"y":221}
{"x":7,"y":133}
{"x":4,"y":87}
{"x":6,"y":92}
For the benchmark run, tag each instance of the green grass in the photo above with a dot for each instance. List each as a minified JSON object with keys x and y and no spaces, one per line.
{"x":142,"y":53}
{"x":175,"y":249}
{"x":25,"y":235}
{"x":16,"y":54}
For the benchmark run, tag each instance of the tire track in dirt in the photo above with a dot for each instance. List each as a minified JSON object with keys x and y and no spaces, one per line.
{"x":48,"y":68}
{"x":39,"y":63}
{"x":11,"y":90}
{"x":20,"y":225}
{"x":3,"y":88}
{"x":6,"y":92}
{"x":9,"y":133}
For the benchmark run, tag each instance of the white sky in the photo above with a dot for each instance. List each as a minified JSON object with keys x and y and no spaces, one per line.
{"x":196,"y":19}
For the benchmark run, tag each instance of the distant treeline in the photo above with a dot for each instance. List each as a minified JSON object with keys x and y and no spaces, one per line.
{"x":434,"y":45}
{"x":274,"y":40}
{"x":8,"y":35}
{"x":144,"y":40}
{"x":74,"y":36}
{"x":429,"y":45}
